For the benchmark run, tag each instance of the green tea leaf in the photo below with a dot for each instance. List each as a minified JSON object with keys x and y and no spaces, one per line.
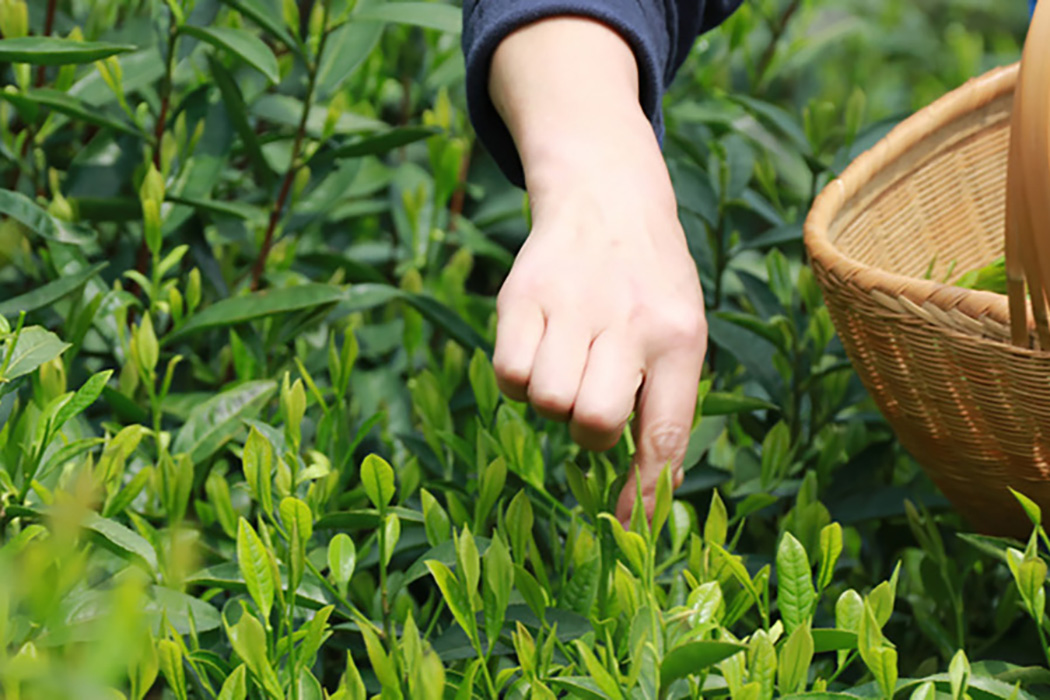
{"x":534,"y":595}
{"x":248,"y":639}
{"x":240,"y":43}
{"x":444,"y":18}
{"x":483,"y":382}
{"x":297,"y":513}
{"x":260,"y":13}
{"x":716,"y":527}
{"x":959,"y":673}
{"x":26,"y":212}
{"x":492,"y":482}
{"x":35,"y":347}
{"x":342,"y":559}
{"x":825,"y":640}
{"x":123,"y":541}
{"x":235,"y":310}
{"x":830,"y":549}
{"x":631,"y":544}
{"x":257,"y":464}
{"x":254,"y":563}
{"x":218,"y":491}
{"x":85,"y":396}
{"x":377,"y":478}
{"x":375,"y":144}
{"x":170,"y":656}
{"x":52,"y":51}
{"x":499,"y":579}
{"x":455,"y":596}
{"x":437,"y":524}
{"x":235,"y":687}
{"x":796,"y":655}
{"x":1031,"y":508}
{"x":391,"y":535}
{"x":66,"y":104}
{"x":609,"y":685}
{"x":216,"y":421}
{"x":692,"y":658}
{"x":795,"y":594}
{"x":49,"y":293}
{"x":718,"y":403}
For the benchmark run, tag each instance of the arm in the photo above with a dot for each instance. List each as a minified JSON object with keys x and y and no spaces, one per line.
{"x":602,"y":312}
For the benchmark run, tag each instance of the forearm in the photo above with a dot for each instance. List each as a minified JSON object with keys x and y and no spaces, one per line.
{"x":567,"y":89}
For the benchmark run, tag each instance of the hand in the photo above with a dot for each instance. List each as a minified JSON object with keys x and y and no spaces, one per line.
{"x":602,"y":313}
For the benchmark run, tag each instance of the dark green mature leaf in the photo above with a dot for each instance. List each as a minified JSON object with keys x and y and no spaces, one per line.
{"x":833,"y":640}
{"x":363,"y":518}
{"x":444,"y":553}
{"x":85,"y":396}
{"x":35,"y":347}
{"x":718,"y":403}
{"x":216,"y":420}
{"x":693,"y":657}
{"x":430,"y":15}
{"x":178,"y":608}
{"x":347,"y":47}
{"x":310,"y":593}
{"x":70,"y":106}
{"x":260,"y":13}
{"x":377,"y":143}
{"x":242,"y":44}
{"x":238,"y":112}
{"x":234,"y":310}
{"x":579,"y":686}
{"x":447,"y":320}
{"x":28,"y":213}
{"x":120,"y":539}
{"x":819,"y":696}
{"x":52,"y":51}
{"x":233,"y":210}
{"x":50,"y":292}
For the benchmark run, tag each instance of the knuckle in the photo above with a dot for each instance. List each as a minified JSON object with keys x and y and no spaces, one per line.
{"x":687,"y":327}
{"x":510,"y":371}
{"x":600,"y":421}
{"x":550,"y":401}
{"x":666,"y":443}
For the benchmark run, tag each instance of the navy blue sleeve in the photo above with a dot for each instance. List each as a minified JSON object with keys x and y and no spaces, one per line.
{"x":660,"y":32}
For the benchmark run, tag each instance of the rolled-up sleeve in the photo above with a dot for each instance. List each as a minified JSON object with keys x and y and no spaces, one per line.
{"x":660,"y":32}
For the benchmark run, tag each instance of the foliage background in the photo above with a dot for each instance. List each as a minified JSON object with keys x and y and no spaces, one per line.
{"x":246,"y":244}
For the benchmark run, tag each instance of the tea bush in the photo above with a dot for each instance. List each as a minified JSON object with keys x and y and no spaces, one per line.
{"x":251,"y":440}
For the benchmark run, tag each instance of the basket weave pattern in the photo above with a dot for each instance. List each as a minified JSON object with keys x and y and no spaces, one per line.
{"x":973,"y":409}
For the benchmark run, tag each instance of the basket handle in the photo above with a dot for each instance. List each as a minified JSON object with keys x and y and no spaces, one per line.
{"x":1028,"y":186}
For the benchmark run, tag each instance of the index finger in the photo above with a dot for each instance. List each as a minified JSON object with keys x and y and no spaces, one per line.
{"x":661,"y":429}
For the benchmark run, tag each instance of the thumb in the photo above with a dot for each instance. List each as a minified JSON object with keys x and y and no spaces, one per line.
{"x":661,"y":431}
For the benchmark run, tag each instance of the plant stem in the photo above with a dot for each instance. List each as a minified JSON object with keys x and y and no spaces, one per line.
{"x":143,"y":257}
{"x":770,"y":52}
{"x":294,"y":165}
{"x":49,"y":27}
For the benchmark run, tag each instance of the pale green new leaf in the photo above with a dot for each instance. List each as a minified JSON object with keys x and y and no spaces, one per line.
{"x":254,"y":564}
{"x":377,"y":477}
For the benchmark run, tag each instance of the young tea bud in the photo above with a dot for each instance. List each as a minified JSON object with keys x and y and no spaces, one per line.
{"x":147,"y":346}
{"x":336,"y":108}
{"x":290,"y":11}
{"x":14,"y":19}
{"x":193,"y":290}
{"x":52,"y":378}
{"x":175,"y":304}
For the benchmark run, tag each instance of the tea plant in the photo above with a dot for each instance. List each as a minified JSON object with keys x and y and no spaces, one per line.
{"x":251,"y":444}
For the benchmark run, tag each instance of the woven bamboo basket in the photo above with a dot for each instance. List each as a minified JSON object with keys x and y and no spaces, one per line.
{"x":962,"y":376}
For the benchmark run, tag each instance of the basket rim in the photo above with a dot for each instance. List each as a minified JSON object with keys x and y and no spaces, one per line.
{"x":976,"y":313}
